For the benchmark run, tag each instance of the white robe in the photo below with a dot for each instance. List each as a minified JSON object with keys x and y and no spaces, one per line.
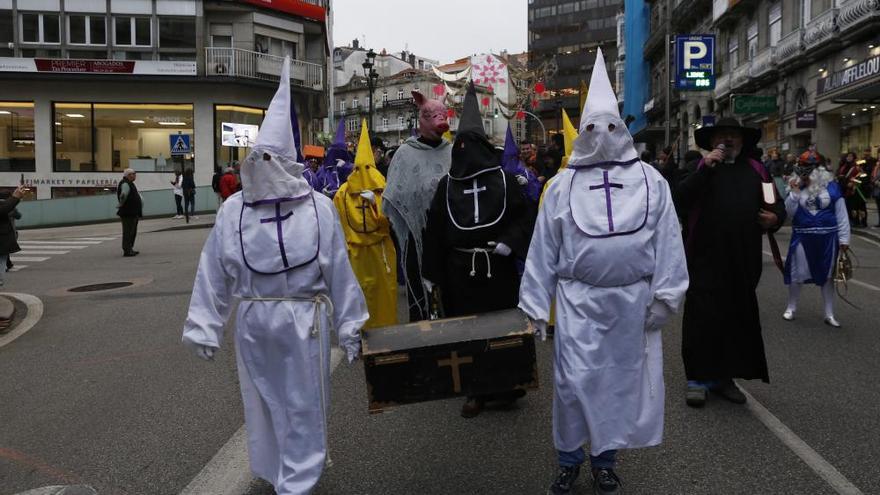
{"x":279,"y":361}
{"x":608,"y":371}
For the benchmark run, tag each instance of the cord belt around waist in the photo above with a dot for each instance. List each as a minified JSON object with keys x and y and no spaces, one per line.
{"x":317,"y":301}
{"x":474,"y":252}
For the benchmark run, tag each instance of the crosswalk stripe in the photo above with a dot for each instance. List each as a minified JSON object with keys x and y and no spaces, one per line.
{"x":17,"y":268}
{"x":93,"y":238}
{"x":25,"y":244}
{"x":28,"y":252}
{"x":31,"y":259}
{"x":85,"y":243}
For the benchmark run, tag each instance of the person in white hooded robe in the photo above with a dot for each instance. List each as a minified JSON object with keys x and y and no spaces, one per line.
{"x":608,"y":246}
{"x":278,"y":247}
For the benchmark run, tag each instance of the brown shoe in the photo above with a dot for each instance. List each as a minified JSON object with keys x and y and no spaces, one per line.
{"x":472,"y":408}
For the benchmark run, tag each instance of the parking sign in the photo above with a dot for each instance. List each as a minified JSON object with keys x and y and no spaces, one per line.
{"x":695,"y":62}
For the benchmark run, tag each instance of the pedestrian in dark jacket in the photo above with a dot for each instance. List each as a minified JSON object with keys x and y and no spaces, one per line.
{"x":130,"y":210}
{"x":189,"y":193}
{"x":8,"y":241}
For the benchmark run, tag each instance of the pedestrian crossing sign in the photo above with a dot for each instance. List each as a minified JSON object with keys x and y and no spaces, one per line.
{"x":180,"y":144}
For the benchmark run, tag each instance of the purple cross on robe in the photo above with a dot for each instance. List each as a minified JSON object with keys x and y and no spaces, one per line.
{"x":606,"y":185}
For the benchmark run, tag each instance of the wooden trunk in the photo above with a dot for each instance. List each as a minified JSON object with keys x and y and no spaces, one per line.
{"x":438,"y":359}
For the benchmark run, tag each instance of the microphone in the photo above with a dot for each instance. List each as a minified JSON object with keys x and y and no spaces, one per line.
{"x":724,"y":150}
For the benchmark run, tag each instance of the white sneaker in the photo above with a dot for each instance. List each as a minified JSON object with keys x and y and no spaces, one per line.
{"x":193,"y":217}
{"x":788,"y":315}
{"x":832,"y":322}
{"x":178,"y":217}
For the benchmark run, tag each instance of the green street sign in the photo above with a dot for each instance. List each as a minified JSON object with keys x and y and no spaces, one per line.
{"x":754,"y":104}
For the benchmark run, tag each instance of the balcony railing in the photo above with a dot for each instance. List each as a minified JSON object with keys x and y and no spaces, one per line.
{"x":764,"y":62}
{"x":790,"y":47}
{"x":233,"y":62}
{"x":740,"y":75}
{"x":856,"y":13}
{"x":821,"y":29}
{"x":722,"y":86}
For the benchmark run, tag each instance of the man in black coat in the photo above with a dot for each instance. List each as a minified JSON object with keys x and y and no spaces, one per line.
{"x":728,"y":214}
{"x":130,"y":210}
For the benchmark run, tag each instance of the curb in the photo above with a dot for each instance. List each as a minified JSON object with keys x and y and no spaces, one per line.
{"x":31,"y":317}
{"x":7,"y":313}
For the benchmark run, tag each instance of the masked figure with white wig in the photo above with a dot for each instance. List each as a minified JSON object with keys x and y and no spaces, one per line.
{"x":277,"y":246}
{"x":608,"y":246}
{"x":819,"y":228}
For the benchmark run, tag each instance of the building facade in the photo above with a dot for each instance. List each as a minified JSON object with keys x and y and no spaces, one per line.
{"x":92,"y":87}
{"x":817,"y":60}
{"x":564,"y":35}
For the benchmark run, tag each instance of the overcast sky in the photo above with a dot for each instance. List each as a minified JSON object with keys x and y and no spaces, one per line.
{"x":443,"y":30}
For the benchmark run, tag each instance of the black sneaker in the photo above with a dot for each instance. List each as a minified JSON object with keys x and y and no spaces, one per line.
{"x":565,"y":479}
{"x":605,"y":482}
{"x":730,"y":391}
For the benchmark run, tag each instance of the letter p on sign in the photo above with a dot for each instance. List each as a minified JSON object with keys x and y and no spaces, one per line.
{"x":693,"y":50}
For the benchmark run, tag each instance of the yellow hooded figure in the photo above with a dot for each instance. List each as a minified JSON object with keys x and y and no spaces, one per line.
{"x":367,"y":232}
{"x":569,"y":134}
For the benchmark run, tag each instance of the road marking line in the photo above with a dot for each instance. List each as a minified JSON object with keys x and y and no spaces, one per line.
{"x":93,"y":239}
{"x":17,"y":268}
{"x":869,"y":241}
{"x":26,"y":244}
{"x":34,"y":313}
{"x":28,"y":252}
{"x":81,"y":243}
{"x":852,"y":280}
{"x":864,"y":284}
{"x":810,"y":457}
{"x":32,"y":259}
{"x":229,"y":471}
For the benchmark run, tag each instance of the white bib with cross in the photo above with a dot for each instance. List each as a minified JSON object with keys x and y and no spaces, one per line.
{"x":610,"y":201}
{"x":279,"y":236}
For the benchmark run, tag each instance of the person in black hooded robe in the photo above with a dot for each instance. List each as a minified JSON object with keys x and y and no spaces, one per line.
{"x":478,"y":224}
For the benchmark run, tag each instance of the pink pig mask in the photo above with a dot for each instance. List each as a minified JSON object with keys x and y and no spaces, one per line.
{"x":432,"y":117}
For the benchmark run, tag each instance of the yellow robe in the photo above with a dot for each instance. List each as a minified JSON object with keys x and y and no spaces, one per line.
{"x":371,"y":253}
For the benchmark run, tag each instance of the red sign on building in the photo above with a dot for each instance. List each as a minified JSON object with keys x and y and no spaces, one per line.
{"x":295,"y":7}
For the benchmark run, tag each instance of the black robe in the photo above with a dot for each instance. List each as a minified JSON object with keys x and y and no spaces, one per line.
{"x":721,"y":334}
{"x":463,"y":294}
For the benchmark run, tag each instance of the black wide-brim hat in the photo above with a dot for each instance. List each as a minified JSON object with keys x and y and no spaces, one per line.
{"x":703,"y":135}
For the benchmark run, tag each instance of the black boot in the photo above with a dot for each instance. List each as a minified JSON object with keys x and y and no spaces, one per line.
{"x":605,"y":482}
{"x":565,"y":479}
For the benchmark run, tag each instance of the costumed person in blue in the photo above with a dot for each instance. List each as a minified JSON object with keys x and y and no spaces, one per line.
{"x":820,"y":226}
{"x":338,"y":164}
{"x":478,"y":224}
{"x":608,"y":247}
{"x":511,"y":163}
{"x":278,"y":247}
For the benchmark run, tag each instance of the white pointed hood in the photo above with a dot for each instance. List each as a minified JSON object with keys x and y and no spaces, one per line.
{"x":270,"y":172}
{"x":597,"y":143}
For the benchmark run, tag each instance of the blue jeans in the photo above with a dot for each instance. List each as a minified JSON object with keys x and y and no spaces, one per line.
{"x":605,"y":460}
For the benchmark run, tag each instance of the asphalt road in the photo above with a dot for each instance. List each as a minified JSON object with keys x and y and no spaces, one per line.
{"x":101,"y":392}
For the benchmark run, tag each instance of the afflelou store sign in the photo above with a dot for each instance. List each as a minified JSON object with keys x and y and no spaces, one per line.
{"x":849,"y":76}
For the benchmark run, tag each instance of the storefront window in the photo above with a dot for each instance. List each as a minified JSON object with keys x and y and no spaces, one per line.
{"x":71,"y":192}
{"x":108,"y":137}
{"x":6,"y":33}
{"x":6,"y":191}
{"x":17,"y":137}
{"x":235,"y":131}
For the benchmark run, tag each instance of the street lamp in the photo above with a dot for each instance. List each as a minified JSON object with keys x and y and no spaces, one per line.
{"x":372,"y":76}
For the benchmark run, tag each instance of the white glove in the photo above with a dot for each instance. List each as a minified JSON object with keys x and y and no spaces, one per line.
{"x":369,"y":196}
{"x":522,"y":180}
{"x":502,"y":249}
{"x":205,"y":352}
{"x":539,"y":328}
{"x":353,"y":352}
{"x":658,"y":314}
{"x":429,"y":286}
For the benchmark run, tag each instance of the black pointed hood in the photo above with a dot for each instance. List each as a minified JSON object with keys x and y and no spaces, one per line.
{"x":472,"y":153}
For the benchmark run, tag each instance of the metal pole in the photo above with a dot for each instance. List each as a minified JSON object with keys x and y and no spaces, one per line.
{"x":666,"y":74}
{"x":371,"y":89}
{"x":543,"y":129}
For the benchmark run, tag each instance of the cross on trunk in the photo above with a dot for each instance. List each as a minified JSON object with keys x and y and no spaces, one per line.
{"x":363,"y":207}
{"x":607,"y":187}
{"x":476,"y":192}
{"x":279,"y":218}
{"x":454,"y":362}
